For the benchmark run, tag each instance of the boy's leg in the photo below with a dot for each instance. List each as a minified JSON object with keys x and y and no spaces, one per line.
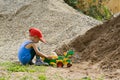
{"x":32,"y":56}
{"x":39,"y":62}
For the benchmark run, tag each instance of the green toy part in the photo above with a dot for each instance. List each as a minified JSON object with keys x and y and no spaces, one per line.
{"x":61,"y":60}
{"x":69,"y":53}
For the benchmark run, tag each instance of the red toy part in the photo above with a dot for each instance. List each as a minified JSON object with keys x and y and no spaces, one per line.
{"x":59,"y":64}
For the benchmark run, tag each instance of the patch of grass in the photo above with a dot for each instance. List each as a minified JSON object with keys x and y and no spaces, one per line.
{"x":42,"y":77}
{"x":32,"y":70}
{"x":13,"y":67}
{"x":86,"y":78}
{"x":26,"y":78}
{"x":2,"y":78}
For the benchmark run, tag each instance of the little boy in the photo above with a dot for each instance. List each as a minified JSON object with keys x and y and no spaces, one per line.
{"x":29,"y":49}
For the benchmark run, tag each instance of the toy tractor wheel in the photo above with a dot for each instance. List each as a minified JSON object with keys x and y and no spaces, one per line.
{"x":59,"y":64}
{"x":69,"y":65}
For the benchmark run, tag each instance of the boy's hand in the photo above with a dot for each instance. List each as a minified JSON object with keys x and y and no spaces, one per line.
{"x":49,"y":57}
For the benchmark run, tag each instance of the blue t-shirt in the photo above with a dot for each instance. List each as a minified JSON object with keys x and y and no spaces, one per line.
{"x":24,"y":54}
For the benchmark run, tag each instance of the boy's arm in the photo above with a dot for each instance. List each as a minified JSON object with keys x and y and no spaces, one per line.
{"x":37,"y":51}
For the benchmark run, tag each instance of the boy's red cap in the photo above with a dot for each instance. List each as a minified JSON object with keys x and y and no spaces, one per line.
{"x":36,"y":32}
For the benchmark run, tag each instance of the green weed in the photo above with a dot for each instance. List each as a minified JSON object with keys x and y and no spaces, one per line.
{"x":2,"y":78}
{"x":93,"y":8}
{"x":13,"y":67}
{"x":86,"y":78}
{"x":42,"y":77}
{"x":26,"y":78}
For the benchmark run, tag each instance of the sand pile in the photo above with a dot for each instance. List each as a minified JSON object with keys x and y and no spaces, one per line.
{"x":59,"y":23}
{"x":99,"y":45}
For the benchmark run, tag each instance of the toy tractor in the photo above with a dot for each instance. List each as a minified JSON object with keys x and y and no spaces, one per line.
{"x":60,"y":61}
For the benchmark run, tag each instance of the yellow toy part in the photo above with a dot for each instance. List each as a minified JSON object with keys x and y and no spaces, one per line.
{"x":65,"y":53}
{"x":59,"y":61}
{"x":43,"y":58}
{"x":65,"y":61}
{"x":54,"y":55}
{"x":52,"y":63}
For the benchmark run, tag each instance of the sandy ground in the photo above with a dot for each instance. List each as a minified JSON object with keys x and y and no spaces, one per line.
{"x":59,"y":22}
{"x":82,"y":70}
{"x":76,"y":72}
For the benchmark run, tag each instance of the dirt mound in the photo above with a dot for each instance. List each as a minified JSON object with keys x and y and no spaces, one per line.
{"x":58,"y":22}
{"x":100,"y":44}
